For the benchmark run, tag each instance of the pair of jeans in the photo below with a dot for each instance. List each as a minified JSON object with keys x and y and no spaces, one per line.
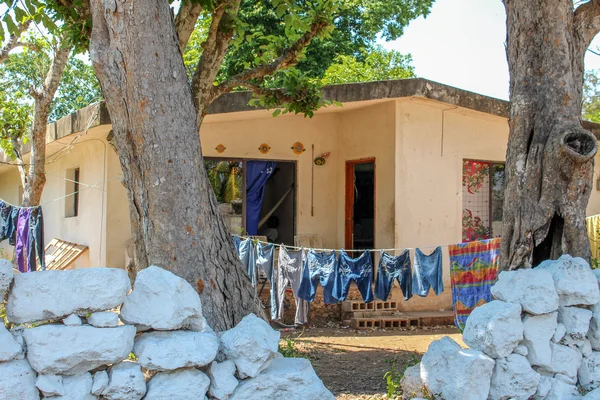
{"x":22,"y":243}
{"x":247,"y":253}
{"x":265,"y":260}
{"x":392,"y":268}
{"x":290,"y":265}
{"x":428,"y":273}
{"x":319,"y":268}
{"x":10,"y":229}
{"x":5,"y":213}
{"x":35,"y":244}
{"x":359,"y":270}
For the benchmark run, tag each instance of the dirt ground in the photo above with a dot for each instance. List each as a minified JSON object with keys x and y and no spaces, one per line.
{"x":352,"y":363}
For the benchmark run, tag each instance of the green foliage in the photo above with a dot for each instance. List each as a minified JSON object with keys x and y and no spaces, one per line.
{"x":376,"y":65}
{"x":3,"y":313}
{"x":591,"y":96}
{"x":226,"y":179}
{"x":394,"y":375}
{"x":26,"y":70}
{"x":288,"y":349}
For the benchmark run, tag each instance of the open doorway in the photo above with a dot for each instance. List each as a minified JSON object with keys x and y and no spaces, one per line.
{"x":360,"y":204}
{"x":277,"y":220}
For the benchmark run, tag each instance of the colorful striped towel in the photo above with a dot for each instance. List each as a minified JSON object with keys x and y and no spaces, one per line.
{"x":473,"y":270}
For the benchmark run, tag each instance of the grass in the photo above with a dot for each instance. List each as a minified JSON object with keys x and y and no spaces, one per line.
{"x":394,"y":375}
{"x":288,"y":349}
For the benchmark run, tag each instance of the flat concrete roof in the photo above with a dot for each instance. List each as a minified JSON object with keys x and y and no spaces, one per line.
{"x":97,"y":114}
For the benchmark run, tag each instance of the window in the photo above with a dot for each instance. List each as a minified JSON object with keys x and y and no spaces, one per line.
{"x":483,"y":198}
{"x":72,"y":193}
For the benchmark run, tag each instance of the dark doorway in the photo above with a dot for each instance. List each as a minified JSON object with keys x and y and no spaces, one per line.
{"x":278,"y":208}
{"x":360,"y":204}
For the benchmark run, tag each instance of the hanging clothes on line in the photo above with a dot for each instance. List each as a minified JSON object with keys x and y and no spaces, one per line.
{"x":473,"y":271}
{"x":393,"y":268}
{"x":290,"y":264}
{"x":24,"y":229}
{"x":428,"y":273}
{"x":265,"y":261}
{"x":319,"y":268}
{"x":359,"y":270}
{"x":247,"y":253}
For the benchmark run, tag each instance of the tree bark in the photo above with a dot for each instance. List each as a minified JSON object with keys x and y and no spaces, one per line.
{"x":550,"y":157}
{"x":33,"y":182}
{"x":175,"y":219}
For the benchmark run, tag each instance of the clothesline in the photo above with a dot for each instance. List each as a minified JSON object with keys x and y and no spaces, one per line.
{"x":338,"y":250}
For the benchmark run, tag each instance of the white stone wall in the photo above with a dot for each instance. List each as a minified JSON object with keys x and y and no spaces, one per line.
{"x":84,"y":334}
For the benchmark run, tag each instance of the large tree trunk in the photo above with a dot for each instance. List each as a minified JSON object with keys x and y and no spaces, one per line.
{"x":175,"y":219}
{"x":550,"y":157}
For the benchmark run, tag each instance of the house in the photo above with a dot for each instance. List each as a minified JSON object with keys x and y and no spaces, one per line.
{"x":411,"y":163}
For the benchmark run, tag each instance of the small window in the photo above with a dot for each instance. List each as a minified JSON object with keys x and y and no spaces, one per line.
{"x":483,"y":198}
{"x":72,"y":193}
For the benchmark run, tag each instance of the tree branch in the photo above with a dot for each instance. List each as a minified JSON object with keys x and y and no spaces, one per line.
{"x":186,"y":21}
{"x":214,"y":49}
{"x":13,"y":41}
{"x":587,"y":21}
{"x":288,"y":58}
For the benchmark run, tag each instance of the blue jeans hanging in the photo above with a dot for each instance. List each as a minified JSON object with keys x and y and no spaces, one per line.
{"x":393,"y":268}
{"x":318,"y":268}
{"x":428,"y":273}
{"x":359,"y":270}
{"x":290,"y":273}
{"x":247,"y":253}
{"x":265,"y":260}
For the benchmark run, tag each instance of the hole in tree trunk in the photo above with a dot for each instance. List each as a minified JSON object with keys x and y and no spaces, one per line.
{"x":550,"y":248}
{"x":579,"y":142}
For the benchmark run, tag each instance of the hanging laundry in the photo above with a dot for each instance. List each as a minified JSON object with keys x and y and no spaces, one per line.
{"x":236,"y":243}
{"x":11,"y":226}
{"x":265,"y":260}
{"x":290,"y":265}
{"x":473,"y":271}
{"x":593,"y":231}
{"x":319,"y":267}
{"x":247,"y":253}
{"x":5,"y":219}
{"x":359,"y":270}
{"x":35,"y":244}
{"x":428,"y":273}
{"x":393,"y":268}
{"x":21,"y":249}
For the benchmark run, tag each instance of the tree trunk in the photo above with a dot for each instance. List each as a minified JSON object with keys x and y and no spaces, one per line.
{"x":175,"y":219}
{"x":550,"y":157}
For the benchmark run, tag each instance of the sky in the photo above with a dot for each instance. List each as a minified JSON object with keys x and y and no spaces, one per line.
{"x":461,"y":43}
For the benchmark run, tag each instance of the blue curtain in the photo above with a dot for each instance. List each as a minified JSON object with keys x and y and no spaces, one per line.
{"x":257,"y":174}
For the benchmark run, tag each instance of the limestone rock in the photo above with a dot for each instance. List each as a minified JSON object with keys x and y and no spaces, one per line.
{"x":161,"y":300}
{"x":566,"y":379}
{"x":589,"y":372}
{"x":9,"y":348}
{"x":594,"y":394}
{"x":77,"y":387}
{"x":72,"y":320}
{"x":104,"y":319}
{"x":533,"y":289}
{"x":543,"y":387}
{"x":6,"y":277}
{"x":560,"y":390}
{"x":561,"y":331}
{"x":586,"y":348}
{"x":285,"y":378}
{"x":126,"y":382}
{"x":17,"y":381}
{"x":594,"y":332}
{"x":521,"y":350}
{"x":576,"y":321}
{"x":565,"y":361}
{"x":251,"y":345}
{"x":41,"y":296}
{"x":411,"y":382}
{"x":222,"y":379}
{"x":50,"y":385}
{"x":574,"y":280}
{"x":513,"y":378}
{"x":453,"y":373}
{"x":165,"y":351}
{"x":494,"y":328}
{"x":183,"y":384}
{"x":71,"y":350}
{"x":100,"y":382}
{"x":537,"y":332}
{"x":596,"y":271}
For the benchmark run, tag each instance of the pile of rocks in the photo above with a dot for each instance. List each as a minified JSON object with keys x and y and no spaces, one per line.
{"x":538,"y":339}
{"x":67,"y":344}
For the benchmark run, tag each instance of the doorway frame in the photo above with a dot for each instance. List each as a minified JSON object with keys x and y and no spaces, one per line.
{"x":349,"y":201}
